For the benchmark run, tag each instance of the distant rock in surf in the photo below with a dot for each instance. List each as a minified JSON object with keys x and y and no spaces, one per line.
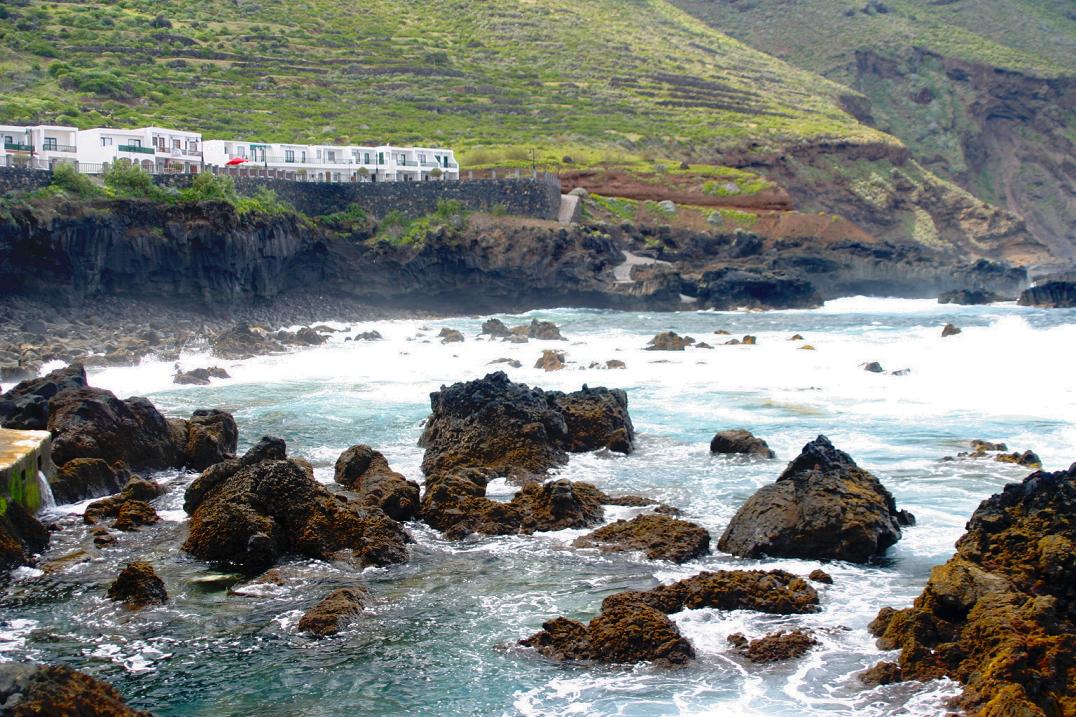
{"x":950,"y":330}
{"x":138,"y":586}
{"x":970,"y":297}
{"x":330,"y":615}
{"x":742,"y":442}
{"x":669,"y":341}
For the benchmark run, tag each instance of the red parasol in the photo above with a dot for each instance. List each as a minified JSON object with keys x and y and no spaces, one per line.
{"x":234,"y":161}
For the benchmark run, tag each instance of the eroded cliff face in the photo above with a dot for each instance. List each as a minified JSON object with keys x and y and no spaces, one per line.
{"x":1003,"y":135}
{"x":208,"y":255}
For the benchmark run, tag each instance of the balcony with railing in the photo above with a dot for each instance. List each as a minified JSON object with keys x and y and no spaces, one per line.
{"x":70,"y":148}
{"x":18,"y":147}
{"x":136,"y":149}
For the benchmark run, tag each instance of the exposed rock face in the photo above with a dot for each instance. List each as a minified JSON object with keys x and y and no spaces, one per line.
{"x":247,"y":512}
{"x":950,"y":330}
{"x":541,"y":330}
{"x":1000,"y":616}
{"x":243,"y":342}
{"x":660,"y":537}
{"x":730,"y":288}
{"x":596,"y":418}
{"x":210,"y":436}
{"x":35,"y":691}
{"x":740,"y":441}
{"x":26,"y":406}
{"x":775,"y":591}
{"x":822,"y":507}
{"x":625,"y":634}
{"x":82,"y":478}
{"x":511,"y":429}
{"x":969,"y":297}
{"x":135,"y":489}
{"x":775,"y":647}
{"x":669,"y":341}
{"x":456,"y":505}
{"x":199,"y":376}
{"x":1051,"y":295}
{"x":138,"y":586}
{"x":93,"y":423}
{"x":21,"y":536}
{"x":133,"y":514}
{"x":495,"y":328}
{"x":450,"y":336}
{"x":367,"y":472}
{"x":330,"y":615}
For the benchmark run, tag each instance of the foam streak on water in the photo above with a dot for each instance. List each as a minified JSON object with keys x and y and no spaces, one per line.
{"x":437,"y":637}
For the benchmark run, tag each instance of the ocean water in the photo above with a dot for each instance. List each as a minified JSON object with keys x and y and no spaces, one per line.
{"x":438,"y":637}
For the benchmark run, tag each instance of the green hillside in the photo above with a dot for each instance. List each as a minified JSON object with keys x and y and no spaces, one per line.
{"x":983,"y":92}
{"x":586,"y":79}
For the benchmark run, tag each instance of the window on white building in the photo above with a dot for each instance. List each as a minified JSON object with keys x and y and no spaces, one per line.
{"x":366,"y":158}
{"x":49,"y":143}
{"x":106,"y":141}
{"x":289,"y":155}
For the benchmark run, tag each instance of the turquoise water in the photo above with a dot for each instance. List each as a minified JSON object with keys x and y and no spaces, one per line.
{"x":439,"y":633}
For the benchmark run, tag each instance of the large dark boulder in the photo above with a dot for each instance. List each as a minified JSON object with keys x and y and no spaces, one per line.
{"x":512,"y":429}
{"x":367,"y":472}
{"x":1000,"y":615}
{"x":26,"y":405}
{"x":823,"y":507}
{"x":21,"y":535}
{"x":246,"y":514}
{"x":622,"y":635}
{"x":1050,"y":295}
{"x":659,"y":537}
{"x":740,"y":441}
{"x":669,"y":341}
{"x":731,"y":288}
{"x":35,"y":691}
{"x":138,"y":586}
{"x":210,"y":436}
{"x":93,"y":423}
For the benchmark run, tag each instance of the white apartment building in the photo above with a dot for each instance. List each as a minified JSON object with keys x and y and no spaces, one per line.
{"x":155,"y":149}
{"x":39,"y":146}
{"x":159,"y":151}
{"x":332,"y":163}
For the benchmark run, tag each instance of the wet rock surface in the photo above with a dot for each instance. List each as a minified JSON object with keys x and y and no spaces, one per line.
{"x":822,"y":507}
{"x":1000,"y":615}
{"x":1050,"y":295}
{"x":624,"y":634}
{"x":777,"y":592}
{"x":21,"y":537}
{"x":35,"y":691}
{"x":669,"y":341}
{"x":512,"y":429}
{"x":82,"y":478}
{"x":970,"y":297}
{"x":367,"y":473}
{"x":774,"y":648}
{"x":138,"y":586}
{"x":199,"y":376}
{"x":247,"y":513}
{"x":330,"y":615}
{"x":740,"y":441}
{"x":26,"y":405}
{"x":659,"y":537}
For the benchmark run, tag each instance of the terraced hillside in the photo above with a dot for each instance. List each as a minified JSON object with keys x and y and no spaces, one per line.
{"x":635,"y":86}
{"x":983,"y":92}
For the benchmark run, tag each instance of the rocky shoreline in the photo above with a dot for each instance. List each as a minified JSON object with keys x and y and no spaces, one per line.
{"x":247,"y":513}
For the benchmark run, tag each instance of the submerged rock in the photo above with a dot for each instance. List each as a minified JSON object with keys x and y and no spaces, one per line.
{"x":138,"y":586}
{"x":660,"y":537}
{"x":775,"y":647}
{"x":740,"y":441}
{"x":1000,"y":615}
{"x":35,"y":691}
{"x":330,"y":615}
{"x":133,"y":514}
{"x":246,"y":513}
{"x":367,"y":472}
{"x":511,"y":429}
{"x":775,"y":591}
{"x":621,"y":635}
{"x":822,"y":507}
{"x":669,"y":341}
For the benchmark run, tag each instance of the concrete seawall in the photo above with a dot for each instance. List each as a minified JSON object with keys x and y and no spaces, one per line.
{"x":22,"y":455}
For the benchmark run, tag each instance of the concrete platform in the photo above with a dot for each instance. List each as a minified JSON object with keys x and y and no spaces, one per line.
{"x":22,"y":455}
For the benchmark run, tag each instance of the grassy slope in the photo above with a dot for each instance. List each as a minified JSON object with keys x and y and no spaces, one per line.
{"x":1037,"y":37}
{"x":596,"y":79}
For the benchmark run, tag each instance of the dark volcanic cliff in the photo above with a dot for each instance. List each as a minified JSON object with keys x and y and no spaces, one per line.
{"x":208,"y":254}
